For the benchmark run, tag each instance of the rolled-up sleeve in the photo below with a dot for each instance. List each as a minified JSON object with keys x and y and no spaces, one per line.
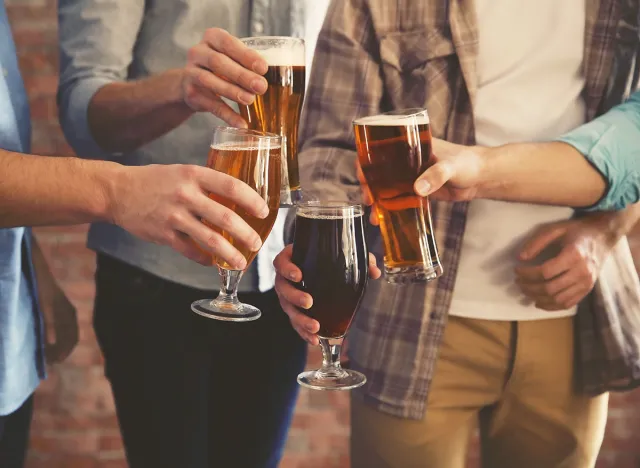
{"x":611,"y":143}
{"x":97,"y":38}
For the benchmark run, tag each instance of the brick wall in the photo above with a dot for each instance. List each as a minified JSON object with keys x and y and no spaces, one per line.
{"x":75,"y":425}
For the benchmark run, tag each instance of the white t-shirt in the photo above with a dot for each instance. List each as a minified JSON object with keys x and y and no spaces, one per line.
{"x":530,"y":82}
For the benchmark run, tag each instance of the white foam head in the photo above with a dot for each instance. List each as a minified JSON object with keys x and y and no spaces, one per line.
{"x":279,"y":51}
{"x":390,"y":120}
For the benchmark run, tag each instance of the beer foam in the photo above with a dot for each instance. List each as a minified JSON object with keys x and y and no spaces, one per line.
{"x":283,"y":57}
{"x":234,"y":146}
{"x":385,"y":120}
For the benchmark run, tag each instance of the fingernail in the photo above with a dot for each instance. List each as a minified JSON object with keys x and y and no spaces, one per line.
{"x":257,"y":245}
{"x":259,"y":85}
{"x":307,"y":303}
{"x":245,"y":98}
{"x":265,"y":212}
{"x":241,"y":264}
{"x":311,"y":329}
{"x":260,"y":67}
{"x":292,"y":276}
{"x":422,"y":188}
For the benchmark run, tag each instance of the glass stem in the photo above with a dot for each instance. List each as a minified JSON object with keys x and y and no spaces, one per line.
{"x":229,"y":288}
{"x":331,"y":359}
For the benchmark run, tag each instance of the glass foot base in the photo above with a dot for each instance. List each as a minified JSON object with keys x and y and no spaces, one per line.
{"x":227,"y":312}
{"x":412,"y":274}
{"x":345,"y":380}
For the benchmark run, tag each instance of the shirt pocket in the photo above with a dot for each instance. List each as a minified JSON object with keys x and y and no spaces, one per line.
{"x":419,"y":68}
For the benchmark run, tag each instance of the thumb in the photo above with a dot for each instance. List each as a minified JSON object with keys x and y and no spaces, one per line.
{"x":433,"y":178}
{"x":541,"y":241}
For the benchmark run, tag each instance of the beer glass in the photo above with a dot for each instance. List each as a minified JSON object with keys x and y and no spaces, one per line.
{"x":393,"y":150}
{"x":329,"y":247}
{"x":278,"y":110}
{"x":254,"y":158}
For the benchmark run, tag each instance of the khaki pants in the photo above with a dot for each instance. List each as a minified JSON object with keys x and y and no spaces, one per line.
{"x":514,"y":380}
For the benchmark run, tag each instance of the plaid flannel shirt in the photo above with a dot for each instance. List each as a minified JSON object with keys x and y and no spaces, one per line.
{"x":373,"y":56}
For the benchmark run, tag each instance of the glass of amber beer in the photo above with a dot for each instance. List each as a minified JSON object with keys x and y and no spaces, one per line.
{"x":329,"y":247}
{"x":254,"y":158}
{"x":393,"y":150}
{"x":278,"y":110}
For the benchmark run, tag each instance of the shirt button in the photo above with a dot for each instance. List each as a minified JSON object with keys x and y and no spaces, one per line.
{"x":258,"y":27}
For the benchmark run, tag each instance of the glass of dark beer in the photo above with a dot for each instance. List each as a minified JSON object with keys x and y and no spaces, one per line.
{"x":329,"y":247}
{"x":278,"y":110}
{"x":393,"y":150}
{"x":254,"y":158}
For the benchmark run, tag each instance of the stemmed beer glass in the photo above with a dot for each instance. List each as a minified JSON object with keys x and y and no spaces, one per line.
{"x":329,"y":247}
{"x":254,"y":158}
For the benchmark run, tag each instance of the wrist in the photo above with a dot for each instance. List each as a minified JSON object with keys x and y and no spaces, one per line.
{"x":487,"y":174}
{"x":111,"y":180}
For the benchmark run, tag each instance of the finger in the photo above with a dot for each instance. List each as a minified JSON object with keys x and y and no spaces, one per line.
{"x":546,"y":271}
{"x":549,"y":288}
{"x":374,"y":216}
{"x":308,"y":337}
{"x":433,"y":178}
{"x":209,"y":80}
{"x":566,"y":300}
{"x":540,"y":241}
{"x":289,"y":293}
{"x":202,"y":100}
{"x":224,"y":218}
{"x":210,"y":240}
{"x":285,"y":267}
{"x":234,"y":190}
{"x":227,"y":44}
{"x":185,"y":246}
{"x":374,"y":271}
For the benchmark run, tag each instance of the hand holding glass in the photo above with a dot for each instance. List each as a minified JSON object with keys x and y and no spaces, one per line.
{"x":329,"y":248}
{"x":254,"y":158}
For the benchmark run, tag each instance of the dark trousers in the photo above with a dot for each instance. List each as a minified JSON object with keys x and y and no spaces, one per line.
{"x":14,"y":435}
{"x":192,"y":392}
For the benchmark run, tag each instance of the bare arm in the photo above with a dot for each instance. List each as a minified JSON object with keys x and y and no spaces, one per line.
{"x":38,"y":191}
{"x":158,"y":203}
{"x":552,"y":173}
{"x":547,"y":173}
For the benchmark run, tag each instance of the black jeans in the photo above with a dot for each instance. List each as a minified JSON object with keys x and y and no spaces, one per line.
{"x":14,"y":435}
{"x":192,"y":392}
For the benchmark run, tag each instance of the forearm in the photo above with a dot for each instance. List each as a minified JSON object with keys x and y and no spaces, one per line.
{"x":40,"y":190}
{"x":126,"y":115}
{"x":548,"y":173}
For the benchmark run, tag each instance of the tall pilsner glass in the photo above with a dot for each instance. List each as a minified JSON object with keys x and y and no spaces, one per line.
{"x":329,"y":247}
{"x":254,"y":158}
{"x":393,"y":150}
{"x":278,"y":110}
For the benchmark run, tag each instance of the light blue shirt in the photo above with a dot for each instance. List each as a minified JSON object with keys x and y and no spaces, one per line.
{"x":21,"y":326}
{"x":612,"y":144}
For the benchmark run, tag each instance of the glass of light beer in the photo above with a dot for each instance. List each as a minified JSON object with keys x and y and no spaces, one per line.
{"x":329,"y":248}
{"x":393,"y":150}
{"x":278,"y":110}
{"x":254,"y":158}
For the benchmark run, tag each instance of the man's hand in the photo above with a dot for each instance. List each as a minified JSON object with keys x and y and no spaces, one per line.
{"x":563,"y":281}
{"x":291,"y":298}
{"x":221,"y":66}
{"x":165,"y":204}
{"x":455,"y":172}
